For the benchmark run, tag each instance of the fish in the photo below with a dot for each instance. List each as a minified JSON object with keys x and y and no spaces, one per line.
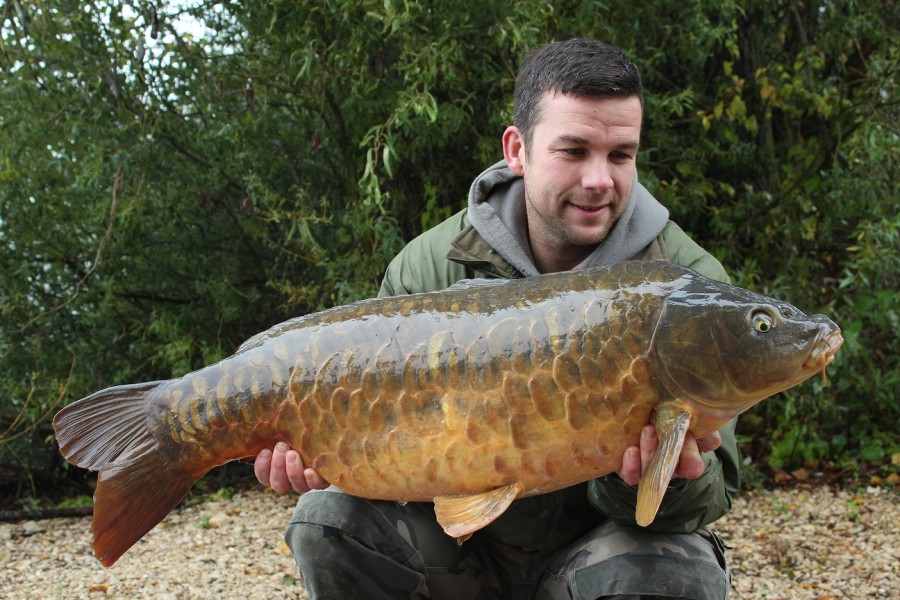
{"x":470,"y":397}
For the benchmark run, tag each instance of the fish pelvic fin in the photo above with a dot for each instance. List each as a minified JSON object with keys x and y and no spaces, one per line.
{"x":461,"y":516}
{"x":672,"y":424}
{"x":136,"y":485}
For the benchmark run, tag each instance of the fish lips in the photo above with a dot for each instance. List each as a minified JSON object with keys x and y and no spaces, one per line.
{"x":827,"y":346}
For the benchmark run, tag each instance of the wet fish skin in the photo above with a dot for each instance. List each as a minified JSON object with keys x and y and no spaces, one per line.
{"x":470,"y":397}
{"x":417,"y":389}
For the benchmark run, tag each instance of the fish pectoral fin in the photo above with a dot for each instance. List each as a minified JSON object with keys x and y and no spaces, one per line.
{"x":671,"y":428}
{"x":461,"y":516}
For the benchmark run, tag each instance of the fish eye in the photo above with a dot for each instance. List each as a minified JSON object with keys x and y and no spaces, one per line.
{"x":762,"y":322}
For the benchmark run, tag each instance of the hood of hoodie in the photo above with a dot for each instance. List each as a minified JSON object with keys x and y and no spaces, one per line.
{"x":497,"y":212}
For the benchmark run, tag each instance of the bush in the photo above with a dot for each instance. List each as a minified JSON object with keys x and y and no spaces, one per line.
{"x":165,"y":195}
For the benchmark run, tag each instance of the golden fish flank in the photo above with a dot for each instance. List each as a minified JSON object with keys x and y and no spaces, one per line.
{"x":470,"y":397}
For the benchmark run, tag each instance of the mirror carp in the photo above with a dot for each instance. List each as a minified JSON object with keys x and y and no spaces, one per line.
{"x":469,"y":397}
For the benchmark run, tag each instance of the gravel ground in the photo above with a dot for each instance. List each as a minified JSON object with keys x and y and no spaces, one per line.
{"x":814,"y":543}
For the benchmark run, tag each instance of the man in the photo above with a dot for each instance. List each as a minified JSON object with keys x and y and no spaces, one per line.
{"x":565,"y":197}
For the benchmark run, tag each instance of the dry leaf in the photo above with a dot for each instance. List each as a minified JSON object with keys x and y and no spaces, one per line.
{"x":800,"y":474}
{"x":782,"y":477}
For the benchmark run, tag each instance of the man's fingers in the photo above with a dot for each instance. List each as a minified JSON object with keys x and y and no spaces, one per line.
{"x":630,"y":472}
{"x":636,"y":458}
{"x":278,"y":477}
{"x":690,"y":465}
{"x":314,"y":480}
{"x":261,"y":466}
{"x":283,"y":470}
{"x":709,"y":443}
{"x":296,"y":472}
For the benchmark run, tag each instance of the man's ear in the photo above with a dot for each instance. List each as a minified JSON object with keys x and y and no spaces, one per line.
{"x":514,"y":150}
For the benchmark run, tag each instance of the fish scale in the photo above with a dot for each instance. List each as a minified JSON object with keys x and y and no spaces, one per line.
{"x":487,"y":354}
{"x":470,"y":397}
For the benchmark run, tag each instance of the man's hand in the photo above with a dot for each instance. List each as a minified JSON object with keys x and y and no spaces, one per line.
{"x":690,"y":466}
{"x":282,"y":469}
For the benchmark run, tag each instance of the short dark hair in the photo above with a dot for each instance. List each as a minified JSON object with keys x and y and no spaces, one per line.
{"x":580,"y":67}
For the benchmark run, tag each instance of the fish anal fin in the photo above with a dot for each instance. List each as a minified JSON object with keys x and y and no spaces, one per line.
{"x":461,"y":516}
{"x":134,"y":494}
{"x":672,"y":424}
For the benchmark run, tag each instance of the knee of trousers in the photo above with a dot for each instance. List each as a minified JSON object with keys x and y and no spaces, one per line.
{"x":402,"y":533}
{"x":621,"y":561}
{"x":347,"y":547}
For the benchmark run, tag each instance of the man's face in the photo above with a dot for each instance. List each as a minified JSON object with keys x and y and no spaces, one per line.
{"x":578,"y":174}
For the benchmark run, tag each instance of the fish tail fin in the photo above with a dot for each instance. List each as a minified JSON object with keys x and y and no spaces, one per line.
{"x":131,"y":498}
{"x":671,"y":427}
{"x":137,"y":485}
{"x":98,"y":429}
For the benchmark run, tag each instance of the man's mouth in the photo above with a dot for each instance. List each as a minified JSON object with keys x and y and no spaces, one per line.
{"x":589,"y":209}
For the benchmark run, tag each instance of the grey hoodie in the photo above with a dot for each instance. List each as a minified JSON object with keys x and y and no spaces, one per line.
{"x":497,"y":212}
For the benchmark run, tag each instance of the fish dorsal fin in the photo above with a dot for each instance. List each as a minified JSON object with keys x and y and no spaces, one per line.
{"x":461,"y":516}
{"x":672,"y":424}
{"x":468,"y":284}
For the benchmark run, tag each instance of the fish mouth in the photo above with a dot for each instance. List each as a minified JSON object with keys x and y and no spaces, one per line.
{"x":823,"y":353}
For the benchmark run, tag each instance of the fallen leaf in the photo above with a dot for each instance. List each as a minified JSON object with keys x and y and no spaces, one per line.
{"x":782,"y":477}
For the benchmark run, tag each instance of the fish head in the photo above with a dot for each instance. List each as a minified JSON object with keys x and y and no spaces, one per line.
{"x":722,"y":348}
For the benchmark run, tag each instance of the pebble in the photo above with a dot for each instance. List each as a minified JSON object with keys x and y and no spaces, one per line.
{"x":30,"y":528}
{"x":817,"y":544}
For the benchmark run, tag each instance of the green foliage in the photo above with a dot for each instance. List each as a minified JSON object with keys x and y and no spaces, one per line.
{"x":778,"y":151}
{"x":167,"y":191}
{"x":81,"y":501}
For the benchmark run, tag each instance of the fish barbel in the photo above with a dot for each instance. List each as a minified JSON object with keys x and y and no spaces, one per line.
{"x":470,"y":397}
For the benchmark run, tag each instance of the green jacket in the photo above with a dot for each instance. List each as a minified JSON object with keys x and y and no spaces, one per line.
{"x":454,"y":250}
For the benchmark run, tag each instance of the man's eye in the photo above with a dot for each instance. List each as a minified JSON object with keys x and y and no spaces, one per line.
{"x":574,"y":151}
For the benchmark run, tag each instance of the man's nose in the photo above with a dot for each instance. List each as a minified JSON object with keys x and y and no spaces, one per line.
{"x":596,"y":176}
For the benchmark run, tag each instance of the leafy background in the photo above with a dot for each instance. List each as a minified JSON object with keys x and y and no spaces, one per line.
{"x":177,"y":176}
